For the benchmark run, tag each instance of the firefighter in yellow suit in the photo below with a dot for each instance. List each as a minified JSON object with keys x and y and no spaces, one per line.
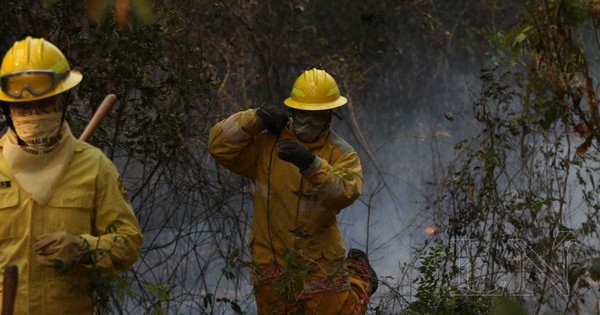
{"x":63,"y":214}
{"x":304,"y":174}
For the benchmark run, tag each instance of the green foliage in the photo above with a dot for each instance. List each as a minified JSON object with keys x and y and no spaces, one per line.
{"x":507,"y":306}
{"x":209,"y":301}
{"x":436,"y":293}
{"x":559,"y":85}
{"x":346,"y":174}
{"x":292,"y":277}
{"x":160,"y":290}
{"x":161,"y":294}
{"x":509,"y":186}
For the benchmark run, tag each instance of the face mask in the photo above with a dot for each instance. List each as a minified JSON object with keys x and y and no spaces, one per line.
{"x":308,"y":125}
{"x":308,"y":131}
{"x":38,"y":131}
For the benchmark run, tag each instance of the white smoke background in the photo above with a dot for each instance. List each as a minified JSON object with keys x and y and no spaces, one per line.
{"x":412,"y":143}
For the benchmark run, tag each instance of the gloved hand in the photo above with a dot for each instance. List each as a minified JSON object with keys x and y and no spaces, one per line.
{"x":293,"y":152}
{"x":274,"y":119}
{"x":60,"y":250}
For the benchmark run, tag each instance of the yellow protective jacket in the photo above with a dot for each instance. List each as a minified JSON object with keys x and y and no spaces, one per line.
{"x":88,"y":202}
{"x":291,"y":210}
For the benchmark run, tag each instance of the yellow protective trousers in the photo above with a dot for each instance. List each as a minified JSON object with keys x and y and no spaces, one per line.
{"x":341,"y":290}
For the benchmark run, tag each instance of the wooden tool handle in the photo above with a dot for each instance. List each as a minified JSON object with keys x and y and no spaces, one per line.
{"x":11,"y":278}
{"x":100,"y":113}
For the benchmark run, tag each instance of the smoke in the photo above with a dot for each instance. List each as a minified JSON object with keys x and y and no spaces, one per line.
{"x":412,"y":142}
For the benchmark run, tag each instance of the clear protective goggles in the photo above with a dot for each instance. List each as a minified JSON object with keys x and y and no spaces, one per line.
{"x":314,"y":117}
{"x":36,"y":82}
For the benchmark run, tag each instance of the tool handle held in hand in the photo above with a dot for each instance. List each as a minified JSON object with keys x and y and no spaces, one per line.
{"x":99,"y":115}
{"x":11,"y":278}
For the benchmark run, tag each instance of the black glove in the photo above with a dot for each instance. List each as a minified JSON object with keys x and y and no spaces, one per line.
{"x":294,"y":152}
{"x":274,"y":119}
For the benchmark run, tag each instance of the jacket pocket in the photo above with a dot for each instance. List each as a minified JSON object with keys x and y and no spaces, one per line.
{"x":9,"y":198}
{"x":14,"y":221}
{"x":63,"y":297}
{"x":71,"y":210}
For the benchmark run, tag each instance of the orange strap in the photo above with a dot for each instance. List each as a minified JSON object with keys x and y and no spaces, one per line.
{"x":267,"y":274}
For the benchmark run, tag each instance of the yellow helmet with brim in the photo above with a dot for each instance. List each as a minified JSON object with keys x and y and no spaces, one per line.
{"x":315,"y":90}
{"x":35,"y":69}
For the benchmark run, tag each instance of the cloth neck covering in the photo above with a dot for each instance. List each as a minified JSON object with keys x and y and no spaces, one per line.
{"x":39,"y":168}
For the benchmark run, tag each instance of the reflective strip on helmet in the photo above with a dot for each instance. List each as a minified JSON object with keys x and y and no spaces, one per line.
{"x":333,"y":90}
{"x":298,"y":92}
{"x":60,"y":67}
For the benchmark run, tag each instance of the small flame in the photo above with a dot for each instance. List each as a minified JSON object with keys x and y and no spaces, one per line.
{"x":430,"y":230}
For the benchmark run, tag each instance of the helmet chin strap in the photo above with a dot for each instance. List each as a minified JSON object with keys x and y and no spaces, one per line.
{"x":64,"y":113}
{"x":66,"y":97}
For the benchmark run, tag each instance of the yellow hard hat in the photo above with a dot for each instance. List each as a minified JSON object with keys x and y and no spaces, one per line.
{"x":315,"y":90}
{"x":34,"y":69}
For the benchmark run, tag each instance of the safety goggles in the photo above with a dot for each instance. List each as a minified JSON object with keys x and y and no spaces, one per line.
{"x":36,"y":82}
{"x":316,"y":117}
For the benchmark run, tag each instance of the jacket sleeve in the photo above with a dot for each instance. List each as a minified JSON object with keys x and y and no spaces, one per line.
{"x":116,"y":241}
{"x":338,"y":183}
{"x":231,"y":142}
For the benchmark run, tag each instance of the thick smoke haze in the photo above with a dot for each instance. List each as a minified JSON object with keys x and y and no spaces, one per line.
{"x":411,"y":153}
